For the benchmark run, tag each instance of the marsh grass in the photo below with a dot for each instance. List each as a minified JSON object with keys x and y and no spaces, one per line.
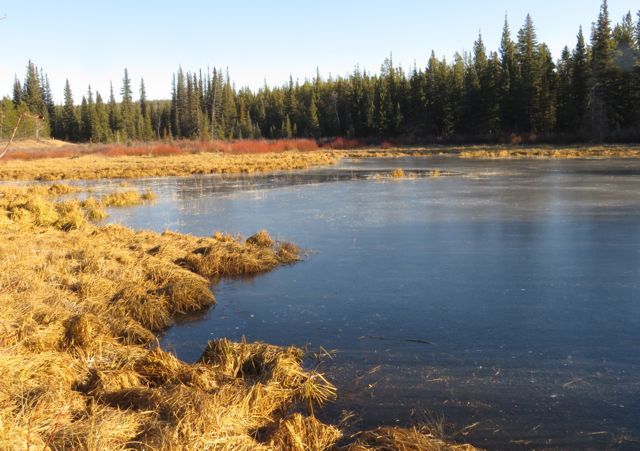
{"x":126,"y":198}
{"x":90,"y":167}
{"x":34,"y":206}
{"x":249,"y":157}
{"x":80,"y":364}
{"x":551,"y":153}
{"x":411,"y":439}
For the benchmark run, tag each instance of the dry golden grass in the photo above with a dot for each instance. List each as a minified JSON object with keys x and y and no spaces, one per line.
{"x":551,"y":153}
{"x":101,"y":167}
{"x":97,"y":166}
{"x":79,"y":359}
{"x":27,"y":206}
{"x":401,"y":439}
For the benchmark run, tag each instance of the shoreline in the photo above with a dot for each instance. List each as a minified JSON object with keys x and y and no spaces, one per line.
{"x":83,"y":307}
{"x":96,"y":166}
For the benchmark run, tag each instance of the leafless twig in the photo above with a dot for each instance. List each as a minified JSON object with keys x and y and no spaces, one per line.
{"x":15,"y":130}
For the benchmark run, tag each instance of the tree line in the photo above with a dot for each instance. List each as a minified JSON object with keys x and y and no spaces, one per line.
{"x":591,"y":93}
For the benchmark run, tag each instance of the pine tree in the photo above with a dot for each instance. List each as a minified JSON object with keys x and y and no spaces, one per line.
{"x":546,"y":119}
{"x":115,"y":121}
{"x":603,"y":72}
{"x":32,"y":91}
{"x":565,"y":108}
{"x":529,"y":86}
{"x":85,"y":121}
{"x":143,"y":98}
{"x":100,"y":121}
{"x":17,"y":92}
{"x":145,"y":132}
{"x":69,"y":118}
{"x":457,"y":95}
{"x":47,"y":96}
{"x":622,"y":88}
{"x":508,"y":79}
{"x":314,"y":122}
{"x":228,"y":107}
{"x":180,"y":105}
{"x":638,"y":33}
{"x":126,"y":107}
{"x":580,"y":86}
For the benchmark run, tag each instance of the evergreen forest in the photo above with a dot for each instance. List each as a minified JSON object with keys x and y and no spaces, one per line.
{"x":518,"y":93}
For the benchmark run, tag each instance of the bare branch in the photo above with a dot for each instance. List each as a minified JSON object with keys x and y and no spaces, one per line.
{"x":15,"y":130}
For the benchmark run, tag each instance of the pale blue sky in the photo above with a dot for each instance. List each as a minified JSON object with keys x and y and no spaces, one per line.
{"x":91,"y":42}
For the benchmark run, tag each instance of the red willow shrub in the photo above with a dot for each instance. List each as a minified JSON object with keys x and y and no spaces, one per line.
{"x":151,"y":150}
{"x":341,"y":143}
{"x":40,"y":154}
{"x":250,"y":146}
{"x":243,"y":146}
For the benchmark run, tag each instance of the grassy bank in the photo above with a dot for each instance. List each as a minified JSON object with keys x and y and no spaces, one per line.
{"x":246,"y":157}
{"x":551,"y":152}
{"x":90,"y":167}
{"x":81,"y":366}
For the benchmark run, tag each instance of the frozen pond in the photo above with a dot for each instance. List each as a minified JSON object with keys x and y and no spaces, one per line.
{"x":504,"y":298}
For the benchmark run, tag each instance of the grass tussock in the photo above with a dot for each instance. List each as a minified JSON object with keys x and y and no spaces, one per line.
{"x":26,"y":207}
{"x":125,"y":198}
{"x":79,"y":359}
{"x":395,"y":438}
{"x":397,"y":173}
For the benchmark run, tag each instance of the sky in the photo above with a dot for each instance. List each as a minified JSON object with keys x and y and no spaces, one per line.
{"x":91,"y":42}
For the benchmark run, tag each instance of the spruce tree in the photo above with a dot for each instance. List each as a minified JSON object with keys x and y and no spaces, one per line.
{"x":100,"y":121}
{"x":85,"y":121}
{"x":69,"y":118}
{"x":638,"y":33}
{"x":32,"y":91}
{"x":546,"y":120}
{"x":17,"y":92}
{"x":143,"y":98}
{"x":623,"y":101}
{"x":508,"y":79}
{"x":580,"y":86}
{"x":228,"y":106}
{"x":145,"y":131}
{"x":565,"y":108}
{"x":529,"y":83}
{"x":314,"y":123}
{"x":603,"y":72}
{"x":47,"y":96}
{"x":115,"y":121}
{"x":126,"y":107}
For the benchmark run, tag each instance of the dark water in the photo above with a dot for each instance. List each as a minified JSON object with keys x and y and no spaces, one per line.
{"x":505,"y":298}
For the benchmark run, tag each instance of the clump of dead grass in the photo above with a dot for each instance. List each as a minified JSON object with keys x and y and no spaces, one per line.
{"x":94,"y":209}
{"x":35,"y":206}
{"x":122,"y":199}
{"x":261,"y":239}
{"x":395,"y":438}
